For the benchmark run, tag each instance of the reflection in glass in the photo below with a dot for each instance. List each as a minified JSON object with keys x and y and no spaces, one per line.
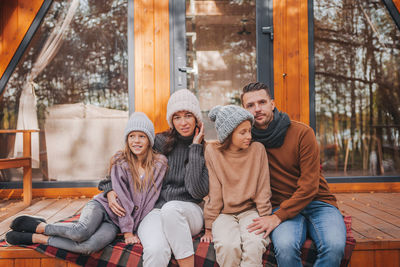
{"x":357,"y":86}
{"x":221,"y":52}
{"x":90,"y":67}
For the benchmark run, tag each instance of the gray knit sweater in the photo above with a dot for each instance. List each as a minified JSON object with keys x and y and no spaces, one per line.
{"x":187,"y":175}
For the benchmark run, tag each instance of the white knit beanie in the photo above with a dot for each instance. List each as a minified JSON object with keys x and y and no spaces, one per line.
{"x":227,"y":118}
{"x":140,"y":122}
{"x":183,"y":100}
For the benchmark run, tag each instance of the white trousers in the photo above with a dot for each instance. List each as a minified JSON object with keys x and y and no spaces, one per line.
{"x":169,"y":229}
{"x":234,"y":245}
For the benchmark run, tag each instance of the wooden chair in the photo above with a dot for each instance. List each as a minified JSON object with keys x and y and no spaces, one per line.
{"x":25,"y":161}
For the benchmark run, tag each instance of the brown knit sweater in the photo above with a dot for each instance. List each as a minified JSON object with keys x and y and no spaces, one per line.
{"x":239,"y":181}
{"x":296,"y":177}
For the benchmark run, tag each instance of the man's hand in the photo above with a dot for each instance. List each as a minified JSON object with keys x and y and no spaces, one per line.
{"x":207,"y":237}
{"x":113,"y":204}
{"x":131,"y":238}
{"x":264,"y":224}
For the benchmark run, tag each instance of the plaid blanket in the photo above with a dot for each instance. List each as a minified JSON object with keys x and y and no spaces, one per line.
{"x":118,"y":254}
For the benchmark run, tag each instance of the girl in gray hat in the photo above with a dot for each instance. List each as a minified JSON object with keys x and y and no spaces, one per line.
{"x":136,"y":174}
{"x":239,"y":189}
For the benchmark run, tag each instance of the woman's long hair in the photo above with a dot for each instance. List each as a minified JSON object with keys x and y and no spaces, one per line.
{"x":126,"y":155}
{"x":171,"y":137}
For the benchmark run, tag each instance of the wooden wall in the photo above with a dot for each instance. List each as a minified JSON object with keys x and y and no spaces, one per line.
{"x":152,"y":86}
{"x":397,"y":4}
{"x":15,"y":18}
{"x":291,"y":85}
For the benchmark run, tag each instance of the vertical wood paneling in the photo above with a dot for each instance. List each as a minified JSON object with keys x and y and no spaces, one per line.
{"x":278,"y":8}
{"x":291,"y":75}
{"x":27,"y":263}
{"x":2,"y":19}
{"x":53,"y":262}
{"x":362,"y":258}
{"x":292,"y":85}
{"x":387,"y":258}
{"x":397,"y":4}
{"x":10,"y":29}
{"x":138,"y":35}
{"x":304,"y":107}
{"x":16,"y":18}
{"x":152,"y":59}
{"x":6,"y":263}
{"x":162,"y":77}
{"x":375,"y":258}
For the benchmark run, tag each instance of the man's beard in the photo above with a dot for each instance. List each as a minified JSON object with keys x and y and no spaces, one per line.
{"x":263,"y":125}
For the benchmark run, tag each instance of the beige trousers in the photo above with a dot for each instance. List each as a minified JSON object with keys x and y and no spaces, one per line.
{"x":234,"y":245}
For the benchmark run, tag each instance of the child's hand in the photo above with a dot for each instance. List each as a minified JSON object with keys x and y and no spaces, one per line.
{"x":131,"y":238}
{"x":207,"y":237}
{"x":113,"y":204}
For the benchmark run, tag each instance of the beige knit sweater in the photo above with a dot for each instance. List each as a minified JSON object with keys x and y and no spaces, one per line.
{"x":239,"y":181}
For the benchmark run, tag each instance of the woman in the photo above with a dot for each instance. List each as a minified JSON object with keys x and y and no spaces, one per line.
{"x":239,"y":189}
{"x":136,"y":174}
{"x":177,"y":216}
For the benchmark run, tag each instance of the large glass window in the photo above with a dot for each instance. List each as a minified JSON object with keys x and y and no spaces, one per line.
{"x":81,"y":92}
{"x":357,"y":88}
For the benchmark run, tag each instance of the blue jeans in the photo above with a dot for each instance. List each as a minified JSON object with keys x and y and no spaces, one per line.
{"x":91,"y":233}
{"x":323,"y":223}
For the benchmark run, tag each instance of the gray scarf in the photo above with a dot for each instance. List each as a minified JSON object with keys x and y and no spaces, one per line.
{"x":274,"y":135}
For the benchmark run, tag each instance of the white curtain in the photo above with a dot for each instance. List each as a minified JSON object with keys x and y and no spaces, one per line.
{"x":27,"y":114}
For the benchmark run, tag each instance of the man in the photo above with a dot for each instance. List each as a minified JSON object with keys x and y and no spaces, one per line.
{"x":301,"y":200}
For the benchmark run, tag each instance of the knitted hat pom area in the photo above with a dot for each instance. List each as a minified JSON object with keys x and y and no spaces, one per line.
{"x":227,"y":118}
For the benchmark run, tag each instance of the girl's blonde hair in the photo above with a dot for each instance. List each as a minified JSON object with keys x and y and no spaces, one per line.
{"x":126,"y":155}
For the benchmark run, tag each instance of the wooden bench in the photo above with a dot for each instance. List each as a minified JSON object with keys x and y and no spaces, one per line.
{"x":25,"y":161}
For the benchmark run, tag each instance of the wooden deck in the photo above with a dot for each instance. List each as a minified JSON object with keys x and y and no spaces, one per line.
{"x":376,"y":227}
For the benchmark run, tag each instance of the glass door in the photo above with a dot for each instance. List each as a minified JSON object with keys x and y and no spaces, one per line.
{"x":215,"y":51}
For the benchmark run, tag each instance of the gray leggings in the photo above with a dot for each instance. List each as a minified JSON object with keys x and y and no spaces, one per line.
{"x":91,"y":233}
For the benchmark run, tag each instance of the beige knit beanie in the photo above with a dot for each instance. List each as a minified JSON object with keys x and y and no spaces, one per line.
{"x":183,"y":100}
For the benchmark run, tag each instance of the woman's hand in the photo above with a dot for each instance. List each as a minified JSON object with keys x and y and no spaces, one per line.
{"x":131,"y":238}
{"x":207,"y":237}
{"x":199,"y":134}
{"x":113,"y":204}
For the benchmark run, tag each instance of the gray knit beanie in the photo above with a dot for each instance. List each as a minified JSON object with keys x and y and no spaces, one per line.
{"x":140,"y":122}
{"x":183,"y":100}
{"x":227,"y":118}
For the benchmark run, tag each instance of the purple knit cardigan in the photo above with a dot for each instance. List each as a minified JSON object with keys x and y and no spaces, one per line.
{"x":136,"y":204}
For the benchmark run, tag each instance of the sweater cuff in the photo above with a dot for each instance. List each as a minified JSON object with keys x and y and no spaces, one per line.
{"x":107,"y":188}
{"x":281,"y":215}
{"x":208,"y":224}
{"x":126,"y":224}
{"x":198,"y":148}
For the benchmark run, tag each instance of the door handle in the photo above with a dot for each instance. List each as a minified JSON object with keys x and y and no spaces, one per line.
{"x":268,"y":30}
{"x":185,"y":69}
